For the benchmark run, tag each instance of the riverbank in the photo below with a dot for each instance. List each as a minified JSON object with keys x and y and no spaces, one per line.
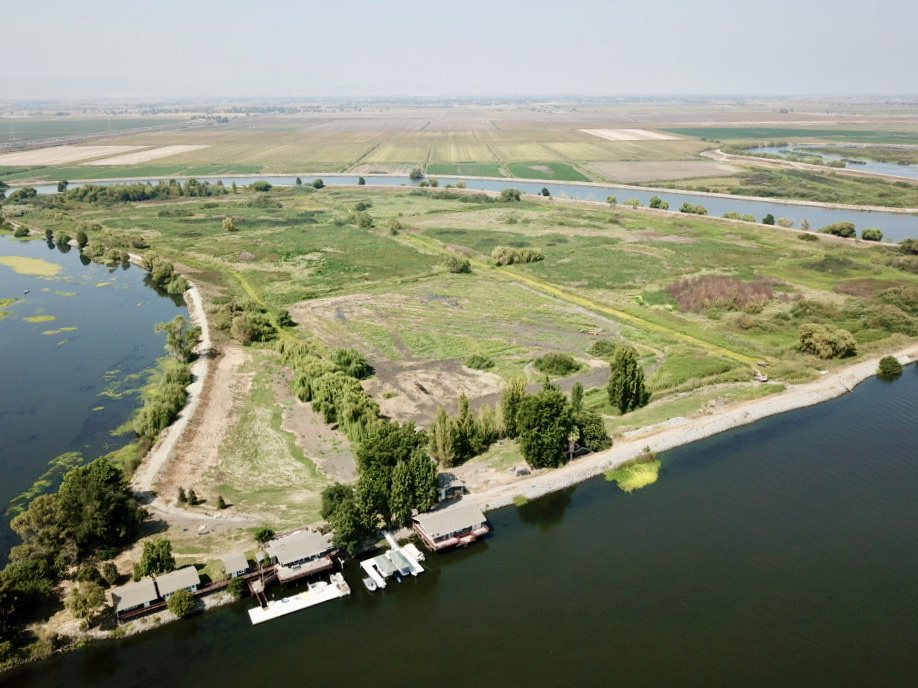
{"x":667,"y":436}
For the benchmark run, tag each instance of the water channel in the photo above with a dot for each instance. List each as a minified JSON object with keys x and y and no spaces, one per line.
{"x":778,"y":554}
{"x":863,"y":164}
{"x":72,"y":348}
{"x":895,"y":226}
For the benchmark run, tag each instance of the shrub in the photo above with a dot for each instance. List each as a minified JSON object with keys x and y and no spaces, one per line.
{"x":890,"y":368}
{"x":509,"y":195}
{"x":719,"y":291}
{"x":364,"y":220}
{"x":603,"y":348}
{"x":21,"y":232}
{"x":352,"y":363}
{"x":806,"y":236}
{"x":261,"y":185}
{"x":318,"y":184}
{"x":458,"y":264}
{"x":556,"y":365}
{"x":826,"y":341}
{"x":909,"y":246}
{"x":182,"y":603}
{"x":841,"y":229}
{"x":508,"y":255}
{"x":479,"y":362}
{"x":768,"y":219}
{"x":872,"y":234}
{"x":416,"y":173}
{"x":264,"y":534}
{"x":237,"y":588}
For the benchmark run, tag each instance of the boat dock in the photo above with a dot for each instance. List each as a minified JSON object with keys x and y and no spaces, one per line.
{"x":399,"y":560}
{"x":317,"y":593}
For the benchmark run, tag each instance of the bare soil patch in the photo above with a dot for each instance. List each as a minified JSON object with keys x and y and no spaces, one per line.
{"x":57,"y":155}
{"x":146,"y":156}
{"x":421,"y":387}
{"x":647,"y":171}
{"x":630,"y":135}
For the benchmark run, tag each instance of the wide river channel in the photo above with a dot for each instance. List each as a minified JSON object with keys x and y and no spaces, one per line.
{"x":784,"y":553}
{"x":895,"y":226}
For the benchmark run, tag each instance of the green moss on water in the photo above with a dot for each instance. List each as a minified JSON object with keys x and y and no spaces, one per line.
{"x":637,"y":473}
{"x":31,"y":266}
{"x":57,"y":467}
{"x":119,"y":387}
{"x":40,"y":318}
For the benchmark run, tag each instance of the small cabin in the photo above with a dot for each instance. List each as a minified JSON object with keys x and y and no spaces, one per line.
{"x":133,"y":596}
{"x":235,"y":564}
{"x":449,"y":487}
{"x":181,"y":579}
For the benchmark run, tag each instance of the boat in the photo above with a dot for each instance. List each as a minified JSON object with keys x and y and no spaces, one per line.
{"x":370,"y":584}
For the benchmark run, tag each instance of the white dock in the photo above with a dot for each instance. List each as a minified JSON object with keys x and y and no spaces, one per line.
{"x":317,"y":593}
{"x":398,"y":560}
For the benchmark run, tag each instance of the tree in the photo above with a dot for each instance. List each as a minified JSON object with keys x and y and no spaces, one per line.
{"x":805,"y":225}
{"x":769,"y":219}
{"x":237,"y":588}
{"x":110,"y":572}
{"x":62,"y":185}
{"x":467,"y":444}
{"x":611,"y":200}
{"x":401,"y":494}
{"x":299,"y":182}
{"x":192,"y":496}
{"x":361,"y":181}
{"x":890,"y":368}
{"x":182,"y":497}
{"x":263,"y":534}
{"x":545,"y":191}
{"x":235,"y":188}
{"x":545,"y":422}
{"x":85,"y":599}
{"x":157,"y":558}
{"x":262,"y":185}
{"x":458,"y":265}
{"x":221,"y":503}
{"x":509,"y":195}
{"x":229,"y":225}
{"x":872,"y":234}
{"x":82,"y":239}
{"x":576,"y":398}
{"x":424,"y":480}
{"x":510,"y":401}
{"x":845,"y":230}
{"x":182,"y":603}
{"x":592,"y":431}
{"x":352,"y":363}
{"x":416,"y":173}
{"x":659,"y":203}
{"x":626,"y":381}
{"x":442,"y":442}
{"x":180,"y":341}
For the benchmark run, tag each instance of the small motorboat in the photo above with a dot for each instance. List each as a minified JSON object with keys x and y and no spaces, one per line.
{"x":370,"y":584}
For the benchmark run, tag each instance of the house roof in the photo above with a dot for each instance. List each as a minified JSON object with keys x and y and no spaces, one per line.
{"x":134,"y":594}
{"x":297,"y":546}
{"x":448,"y":480}
{"x":176,"y":580}
{"x":451,"y":519}
{"x":235,"y":561}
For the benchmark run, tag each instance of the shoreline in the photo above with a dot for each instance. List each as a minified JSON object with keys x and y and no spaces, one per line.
{"x":660,"y":438}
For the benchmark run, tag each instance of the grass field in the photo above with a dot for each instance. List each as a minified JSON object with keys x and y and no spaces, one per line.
{"x":465,"y":169}
{"x":22,"y":129}
{"x":781,"y":133}
{"x":555,"y":171}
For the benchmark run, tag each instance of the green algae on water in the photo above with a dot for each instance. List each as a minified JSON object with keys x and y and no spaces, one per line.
{"x":31,"y":266}
{"x":57,"y":467}
{"x":637,"y":473}
{"x":40,"y":318}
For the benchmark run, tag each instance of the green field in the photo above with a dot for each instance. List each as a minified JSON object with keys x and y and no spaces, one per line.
{"x":781,"y":133}
{"x":24,"y":129}
{"x":465,"y":169}
{"x":553,"y":171}
{"x":152,"y":172}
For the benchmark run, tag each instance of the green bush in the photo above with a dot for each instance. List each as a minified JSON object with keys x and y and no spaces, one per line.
{"x":872,"y":234}
{"x":458,"y":265}
{"x":479,"y":362}
{"x":841,"y":229}
{"x":352,"y":363}
{"x":806,"y":236}
{"x":890,"y":368}
{"x":261,"y":185}
{"x":182,"y":603}
{"x":826,"y":341}
{"x":603,"y":348}
{"x":556,"y":365}
{"x":21,"y":232}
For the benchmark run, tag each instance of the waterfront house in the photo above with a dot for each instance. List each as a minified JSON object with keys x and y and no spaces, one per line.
{"x":458,"y":523}
{"x":133,"y":596}
{"x":181,"y":579}
{"x":302,"y":553}
{"x":235,"y":564}
{"x":449,"y":487}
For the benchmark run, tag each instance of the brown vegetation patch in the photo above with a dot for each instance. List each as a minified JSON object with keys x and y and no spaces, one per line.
{"x":650,"y":235}
{"x":867,"y":286}
{"x":720,"y":291}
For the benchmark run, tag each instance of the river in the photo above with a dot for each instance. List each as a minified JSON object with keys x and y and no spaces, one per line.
{"x":864,"y":165}
{"x":70,"y":374}
{"x":782,"y":553}
{"x":895,"y":226}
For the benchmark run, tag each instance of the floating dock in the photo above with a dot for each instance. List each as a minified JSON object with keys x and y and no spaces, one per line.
{"x":403,"y":561}
{"x":317,"y":593}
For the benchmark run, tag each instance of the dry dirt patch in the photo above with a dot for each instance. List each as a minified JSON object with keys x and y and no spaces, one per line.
{"x":630,"y":135}
{"x":57,"y":155}
{"x":145,"y":156}
{"x":424,"y":386}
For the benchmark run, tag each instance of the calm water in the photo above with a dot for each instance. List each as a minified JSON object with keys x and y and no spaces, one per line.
{"x":895,"y":226}
{"x":874,"y":166}
{"x":53,"y":378}
{"x":780,"y":554}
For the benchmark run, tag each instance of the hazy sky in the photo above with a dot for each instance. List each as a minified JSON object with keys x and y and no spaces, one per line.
{"x":466,"y":47}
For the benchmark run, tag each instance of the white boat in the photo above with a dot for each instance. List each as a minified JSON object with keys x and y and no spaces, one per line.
{"x":370,"y":584}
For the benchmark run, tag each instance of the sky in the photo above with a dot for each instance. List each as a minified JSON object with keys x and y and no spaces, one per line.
{"x":395,"y":48}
